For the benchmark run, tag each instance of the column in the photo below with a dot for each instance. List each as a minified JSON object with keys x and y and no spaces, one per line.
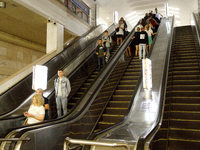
{"x":55,"y":37}
{"x":198,"y":6}
{"x":94,"y":11}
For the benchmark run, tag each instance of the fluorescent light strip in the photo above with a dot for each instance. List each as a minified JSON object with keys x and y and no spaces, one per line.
{"x":130,"y":14}
{"x":174,"y":12}
{"x":173,"y":8}
{"x":132,"y":17}
{"x":134,"y":21}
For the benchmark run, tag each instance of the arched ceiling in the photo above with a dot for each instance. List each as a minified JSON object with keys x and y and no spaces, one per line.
{"x":183,"y":8}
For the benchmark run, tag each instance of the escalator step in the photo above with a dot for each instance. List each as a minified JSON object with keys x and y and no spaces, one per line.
{"x":121,"y":97}
{"x":115,"y":110}
{"x":112,"y":118}
{"x":119,"y":104}
{"x":124,"y":92}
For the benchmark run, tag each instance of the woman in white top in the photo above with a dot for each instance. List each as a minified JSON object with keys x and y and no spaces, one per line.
{"x":120,"y":32}
{"x":150,"y":33}
{"x":36,"y":111}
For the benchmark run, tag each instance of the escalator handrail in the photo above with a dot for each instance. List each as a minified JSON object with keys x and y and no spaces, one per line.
{"x":198,"y":35}
{"x":101,"y":77}
{"x":132,"y":98}
{"x":157,"y":124}
{"x":62,"y":67}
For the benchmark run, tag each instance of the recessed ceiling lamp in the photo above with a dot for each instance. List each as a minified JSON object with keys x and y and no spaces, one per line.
{"x":2,"y":4}
{"x":107,"y":17}
{"x":130,"y":14}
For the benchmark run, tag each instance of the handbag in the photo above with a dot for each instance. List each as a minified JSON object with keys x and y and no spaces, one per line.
{"x":26,"y":122}
{"x":117,"y":30}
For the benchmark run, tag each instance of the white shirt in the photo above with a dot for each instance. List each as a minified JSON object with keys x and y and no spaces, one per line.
{"x":158,"y":16}
{"x":121,"y":31}
{"x":36,"y":111}
{"x":59,"y":87}
{"x":149,"y":32}
{"x":140,"y":26}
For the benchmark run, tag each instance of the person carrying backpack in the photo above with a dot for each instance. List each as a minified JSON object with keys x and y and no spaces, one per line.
{"x":100,"y":52}
{"x":107,"y":40}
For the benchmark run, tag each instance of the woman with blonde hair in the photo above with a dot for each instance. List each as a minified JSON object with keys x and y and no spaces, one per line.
{"x":36,"y":111}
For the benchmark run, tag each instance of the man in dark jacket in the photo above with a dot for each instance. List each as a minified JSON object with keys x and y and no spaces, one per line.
{"x":101,"y":52}
{"x":143,"y":42}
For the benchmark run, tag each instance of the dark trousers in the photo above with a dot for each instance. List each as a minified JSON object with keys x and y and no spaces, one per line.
{"x":101,"y":60}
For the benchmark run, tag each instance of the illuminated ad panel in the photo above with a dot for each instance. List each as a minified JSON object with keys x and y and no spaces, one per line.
{"x":39,"y":77}
{"x":147,"y":74}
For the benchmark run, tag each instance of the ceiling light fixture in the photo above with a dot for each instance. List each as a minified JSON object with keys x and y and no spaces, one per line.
{"x":173,"y":12}
{"x":2,"y":4}
{"x":173,"y":8}
{"x":132,"y":17}
{"x":130,"y":14}
{"x":107,"y":18}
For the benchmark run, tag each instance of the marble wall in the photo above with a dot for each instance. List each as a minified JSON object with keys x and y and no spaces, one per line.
{"x":13,"y":58}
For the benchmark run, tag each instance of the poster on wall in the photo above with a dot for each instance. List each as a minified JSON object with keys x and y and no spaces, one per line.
{"x":39,"y":80}
{"x":147,"y":74}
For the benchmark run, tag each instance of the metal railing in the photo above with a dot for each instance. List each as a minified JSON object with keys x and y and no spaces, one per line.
{"x":93,"y":143}
{"x":15,"y":139}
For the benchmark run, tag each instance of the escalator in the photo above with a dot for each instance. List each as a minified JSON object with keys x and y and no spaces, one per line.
{"x":180,"y":126}
{"x":78,"y":79}
{"x":17,"y":95}
{"x":86,"y":76}
{"x":91,"y":105}
{"x":117,"y":104}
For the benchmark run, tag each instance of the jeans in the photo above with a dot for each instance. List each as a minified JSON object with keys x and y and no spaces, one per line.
{"x":142,"y":47}
{"x":107,"y":54}
{"x":61,"y":103}
{"x":101,"y":60}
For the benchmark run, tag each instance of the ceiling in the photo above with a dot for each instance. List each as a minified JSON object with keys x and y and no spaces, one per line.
{"x":19,"y":21}
{"x":125,"y":7}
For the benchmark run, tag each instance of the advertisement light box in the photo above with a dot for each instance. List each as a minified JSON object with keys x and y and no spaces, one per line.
{"x":39,"y":77}
{"x":147,"y":74}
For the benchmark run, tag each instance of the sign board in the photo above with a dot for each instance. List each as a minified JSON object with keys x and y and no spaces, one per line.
{"x":115,"y":16}
{"x":39,"y":77}
{"x":82,"y":5}
{"x":147,"y":74}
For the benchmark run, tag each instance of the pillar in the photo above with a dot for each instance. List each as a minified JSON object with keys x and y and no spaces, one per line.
{"x":55,"y":37}
{"x":166,"y":11}
{"x":94,"y":11}
{"x":198,"y":6}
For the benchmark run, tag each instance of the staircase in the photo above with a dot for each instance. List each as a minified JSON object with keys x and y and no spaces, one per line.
{"x":180,"y":128}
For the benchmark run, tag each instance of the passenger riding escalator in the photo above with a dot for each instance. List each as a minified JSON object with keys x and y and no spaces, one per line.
{"x":180,"y":126}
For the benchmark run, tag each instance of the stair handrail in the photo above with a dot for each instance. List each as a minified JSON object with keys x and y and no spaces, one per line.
{"x":93,"y":143}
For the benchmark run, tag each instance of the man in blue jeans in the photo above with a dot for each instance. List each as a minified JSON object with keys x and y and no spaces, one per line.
{"x":101,"y":52}
{"x":62,"y":90}
{"x":143,"y":42}
{"x":107,"y":40}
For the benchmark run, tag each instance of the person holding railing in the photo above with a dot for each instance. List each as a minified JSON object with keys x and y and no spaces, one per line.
{"x":36,"y":112}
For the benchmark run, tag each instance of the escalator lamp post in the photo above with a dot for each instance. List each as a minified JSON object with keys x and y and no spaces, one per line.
{"x":147,"y":74}
{"x":39,"y":77}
